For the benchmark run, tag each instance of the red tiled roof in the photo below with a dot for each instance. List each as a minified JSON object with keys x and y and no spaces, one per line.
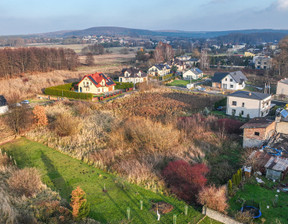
{"x":97,"y":78}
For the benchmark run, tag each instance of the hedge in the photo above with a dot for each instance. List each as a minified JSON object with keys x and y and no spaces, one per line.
{"x":64,"y":91}
{"x":165,"y":77}
{"x":124,"y":85}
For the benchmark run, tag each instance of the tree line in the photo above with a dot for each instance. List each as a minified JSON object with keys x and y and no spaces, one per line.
{"x":23,"y":60}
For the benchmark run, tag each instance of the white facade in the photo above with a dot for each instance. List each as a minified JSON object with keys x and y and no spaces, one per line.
{"x":158,"y":72}
{"x":130,"y":78}
{"x":86,"y":86}
{"x":190,"y":74}
{"x":282,"y":87}
{"x":3,"y":109}
{"x":229,"y":83}
{"x":244,"y":106}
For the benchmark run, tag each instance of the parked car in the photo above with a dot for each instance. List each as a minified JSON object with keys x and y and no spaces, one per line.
{"x":25,"y":102}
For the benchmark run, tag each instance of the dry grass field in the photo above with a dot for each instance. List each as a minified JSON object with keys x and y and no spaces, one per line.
{"x":27,"y":85}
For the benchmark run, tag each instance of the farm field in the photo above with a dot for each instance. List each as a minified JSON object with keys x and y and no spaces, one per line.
{"x":63,"y":173}
{"x":253,"y":192}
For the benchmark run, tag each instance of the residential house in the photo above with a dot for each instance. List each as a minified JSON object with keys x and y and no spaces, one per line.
{"x":159,"y":70}
{"x":3,"y":105}
{"x":262,"y":62}
{"x":282,"y":87}
{"x":183,"y":57}
{"x":96,"y":83}
{"x":229,"y":80}
{"x":133,"y":75}
{"x":250,"y":104}
{"x":282,"y":121}
{"x":180,"y":65}
{"x":257,"y":131}
{"x":194,"y":73}
{"x":191,"y":62}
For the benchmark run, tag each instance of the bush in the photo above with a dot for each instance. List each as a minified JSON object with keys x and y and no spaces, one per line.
{"x":65,"y":91}
{"x":230,"y":126}
{"x":4,"y":159}
{"x":25,"y":182}
{"x":79,"y":204}
{"x":185,"y":180}
{"x":222,"y":103}
{"x":244,"y":217}
{"x":124,"y":85}
{"x":40,"y":115}
{"x":214,"y":198}
{"x":66,"y":125}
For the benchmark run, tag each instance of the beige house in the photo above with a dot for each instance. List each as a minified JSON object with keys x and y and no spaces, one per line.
{"x":282,"y":87}
{"x":96,"y":83}
{"x":250,"y":104}
{"x":159,"y":70}
{"x":194,"y":73}
{"x":262,"y":62}
{"x":133,"y":75}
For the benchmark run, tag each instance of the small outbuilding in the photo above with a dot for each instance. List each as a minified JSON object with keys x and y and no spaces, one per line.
{"x":276,"y":168}
{"x":3,"y":105}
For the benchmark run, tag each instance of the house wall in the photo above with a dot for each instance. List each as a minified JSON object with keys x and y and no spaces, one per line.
{"x":132,"y":79}
{"x":282,"y":88}
{"x":226,"y":83}
{"x":252,"y":140}
{"x":189,"y":73}
{"x":255,"y":108}
{"x":91,"y":88}
{"x":3,"y":109}
{"x":216,"y":85}
{"x":282,"y":127}
{"x":155,"y":71}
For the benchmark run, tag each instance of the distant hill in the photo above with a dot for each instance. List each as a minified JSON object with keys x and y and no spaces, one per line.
{"x":121,"y":31}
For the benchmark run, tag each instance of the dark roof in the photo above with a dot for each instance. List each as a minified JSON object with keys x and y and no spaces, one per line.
{"x":250,"y":95}
{"x":218,"y":76}
{"x":133,"y":72}
{"x":238,"y":76}
{"x":196,"y":71}
{"x":3,"y":101}
{"x":258,"y":122}
{"x":161,"y":66}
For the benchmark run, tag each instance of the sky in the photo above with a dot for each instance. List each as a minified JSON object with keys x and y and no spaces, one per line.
{"x":39,"y":16}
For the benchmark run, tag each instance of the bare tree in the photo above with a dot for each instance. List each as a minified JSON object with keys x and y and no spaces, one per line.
{"x":204,"y":61}
{"x":90,"y":59}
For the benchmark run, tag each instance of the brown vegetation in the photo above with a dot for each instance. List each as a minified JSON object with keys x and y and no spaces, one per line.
{"x":214,"y":198}
{"x":40,"y":117}
{"x":66,"y":125}
{"x":25,"y":182}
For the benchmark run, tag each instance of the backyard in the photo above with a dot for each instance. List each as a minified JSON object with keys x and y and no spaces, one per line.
{"x":109,"y":196}
{"x":179,"y":83}
{"x":265,"y":195}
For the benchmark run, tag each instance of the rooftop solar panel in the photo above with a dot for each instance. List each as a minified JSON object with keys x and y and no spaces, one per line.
{"x":284,"y":113}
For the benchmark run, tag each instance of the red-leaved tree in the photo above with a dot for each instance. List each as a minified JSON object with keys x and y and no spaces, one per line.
{"x":185,"y":180}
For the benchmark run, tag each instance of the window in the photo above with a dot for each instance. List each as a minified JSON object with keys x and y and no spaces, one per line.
{"x":233,"y":112}
{"x":231,"y":86}
{"x":257,"y":133}
{"x":234,"y":103}
{"x":226,"y":79}
{"x":243,"y":104}
{"x":231,"y":80}
{"x":242,"y":112}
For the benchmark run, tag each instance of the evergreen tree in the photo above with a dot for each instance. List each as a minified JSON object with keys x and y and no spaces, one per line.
{"x":79,"y":204}
{"x":230,"y":187}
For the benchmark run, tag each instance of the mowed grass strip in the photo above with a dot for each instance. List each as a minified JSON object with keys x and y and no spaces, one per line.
{"x":179,"y":83}
{"x":265,"y":197}
{"x":63,"y":174}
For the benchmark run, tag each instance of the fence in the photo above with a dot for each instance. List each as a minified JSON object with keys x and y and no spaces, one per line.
{"x":218,"y":216}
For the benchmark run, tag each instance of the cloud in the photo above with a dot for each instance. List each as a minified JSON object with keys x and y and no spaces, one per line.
{"x":282,"y":5}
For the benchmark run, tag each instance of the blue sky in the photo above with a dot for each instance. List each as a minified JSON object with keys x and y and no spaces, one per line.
{"x":37,"y":16}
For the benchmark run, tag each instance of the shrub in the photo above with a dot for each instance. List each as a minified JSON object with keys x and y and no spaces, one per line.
{"x":40,"y":116}
{"x":25,"y":182}
{"x":185,"y":180}
{"x":79,"y":204}
{"x":66,"y":125}
{"x":124,"y":85}
{"x":65,"y":91}
{"x":214,"y":198}
{"x":230,"y":187}
{"x":4,"y":159}
{"x":230,"y":125}
{"x":244,"y":217}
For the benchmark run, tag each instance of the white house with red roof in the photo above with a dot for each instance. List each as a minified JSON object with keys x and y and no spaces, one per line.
{"x":96,"y":83}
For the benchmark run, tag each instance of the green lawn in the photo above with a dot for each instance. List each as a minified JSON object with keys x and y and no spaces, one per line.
{"x":63,"y":173}
{"x":264,"y":197}
{"x":180,"y":83}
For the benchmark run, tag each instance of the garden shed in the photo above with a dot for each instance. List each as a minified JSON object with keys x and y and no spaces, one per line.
{"x":276,"y":168}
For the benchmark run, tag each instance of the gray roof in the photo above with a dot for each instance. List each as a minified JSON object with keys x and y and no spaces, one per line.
{"x":3,"y":101}
{"x":250,"y":95}
{"x":162,"y":66}
{"x":238,"y":76}
{"x":196,"y":71}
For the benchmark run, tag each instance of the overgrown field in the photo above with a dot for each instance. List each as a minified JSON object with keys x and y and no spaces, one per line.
{"x":109,"y":196}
